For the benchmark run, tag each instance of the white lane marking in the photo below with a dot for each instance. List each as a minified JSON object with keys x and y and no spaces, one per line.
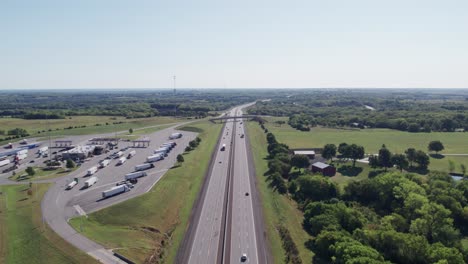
{"x":80,"y":210}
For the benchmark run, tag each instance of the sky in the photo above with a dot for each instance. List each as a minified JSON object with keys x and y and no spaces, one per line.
{"x":233,"y":44}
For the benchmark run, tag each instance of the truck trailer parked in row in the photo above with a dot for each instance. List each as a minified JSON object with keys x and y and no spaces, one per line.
{"x":89,"y":182}
{"x":144,"y":166}
{"x":155,"y":158}
{"x":131,"y":154}
{"x":175,"y":135}
{"x":91,"y":171}
{"x":115,"y":190}
{"x":135,"y":175}
{"x":118,"y":154}
{"x":122,"y":160}
{"x":4,"y":162}
{"x":104,"y":163}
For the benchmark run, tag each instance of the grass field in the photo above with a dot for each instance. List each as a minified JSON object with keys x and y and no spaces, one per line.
{"x":372,"y":140}
{"x":39,"y":127}
{"x":23,"y":236}
{"x":277,"y":209}
{"x":154,"y":223}
{"x":41,"y":174}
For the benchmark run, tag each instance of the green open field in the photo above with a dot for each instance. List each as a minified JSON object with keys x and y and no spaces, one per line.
{"x":153,"y":225}
{"x":372,"y":140}
{"x":277,"y":209}
{"x":23,"y":236}
{"x":39,"y":127}
{"x":41,"y":174}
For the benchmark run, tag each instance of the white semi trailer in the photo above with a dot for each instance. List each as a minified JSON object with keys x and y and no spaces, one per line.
{"x":115,"y":190}
{"x":144,"y":166}
{"x":91,"y":171}
{"x":89,"y":182}
{"x":122,"y":160}
{"x":104,"y":163}
{"x":131,"y":154}
{"x":135,"y":175}
{"x":175,"y":135}
{"x":4,"y":162}
{"x":155,"y":158}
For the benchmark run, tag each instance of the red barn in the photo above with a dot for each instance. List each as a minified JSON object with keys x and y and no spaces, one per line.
{"x":325,"y":169}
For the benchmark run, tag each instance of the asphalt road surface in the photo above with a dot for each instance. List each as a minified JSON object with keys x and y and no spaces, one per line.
{"x":226,"y":224}
{"x":59,"y":205}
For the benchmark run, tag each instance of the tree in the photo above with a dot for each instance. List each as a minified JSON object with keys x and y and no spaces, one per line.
{"x":193,"y":144}
{"x":411,"y":155}
{"x":436,"y":146}
{"x":30,"y":171}
{"x":384,"y":158}
{"x":400,"y":161}
{"x":180,"y":158}
{"x":374,"y":161}
{"x":329,"y":151}
{"x":355,"y":152}
{"x":300,"y":161}
{"x":70,"y":164}
{"x":198,"y":139}
{"x":422,"y":159}
{"x":463,"y":169}
{"x":342,"y":149}
{"x":435,"y":223}
{"x":130,"y":131}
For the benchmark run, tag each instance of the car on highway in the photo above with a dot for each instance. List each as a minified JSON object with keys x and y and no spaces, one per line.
{"x":246,"y":194}
{"x":244,"y":257}
{"x":242,"y":136}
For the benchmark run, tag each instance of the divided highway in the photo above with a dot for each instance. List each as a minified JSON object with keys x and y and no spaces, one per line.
{"x":227,"y":222}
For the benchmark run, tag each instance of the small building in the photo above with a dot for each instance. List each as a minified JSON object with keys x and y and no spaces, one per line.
{"x":79,"y":152}
{"x":309,"y":153}
{"x":325,"y":169}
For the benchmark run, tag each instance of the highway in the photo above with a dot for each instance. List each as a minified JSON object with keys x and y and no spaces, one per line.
{"x":227,"y":221}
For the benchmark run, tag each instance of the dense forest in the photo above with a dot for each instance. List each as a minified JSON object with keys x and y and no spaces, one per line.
{"x":134,"y":104}
{"x":412,"y":110}
{"x":391,"y":217}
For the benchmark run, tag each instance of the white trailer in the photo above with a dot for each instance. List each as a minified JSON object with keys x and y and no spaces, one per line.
{"x":122,"y":160}
{"x":161,"y":151}
{"x":89,"y":182}
{"x":135,"y":175}
{"x":4,"y":162}
{"x":115,"y":190}
{"x":169,"y":144}
{"x":131,"y":154}
{"x":175,"y":135}
{"x":154,"y":158}
{"x":118,"y":154}
{"x":43,"y":150}
{"x":144,"y":166}
{"x":91,"y":171}
{"x":104,"y":163}
{"x":72,"y":184}
{"x":21,"y":156}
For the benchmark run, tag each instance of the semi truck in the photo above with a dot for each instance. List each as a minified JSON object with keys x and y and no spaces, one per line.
{"x":43,"y":150}
{"x":104,"y":163}
{"x":175,"y":135}
{"x":171,"y":145}
{"x":223,"y":147}
{"x":122,"y":160}
{"x":89,"y":182}
{"x":115,"y":190}
{"x":118,"y":154}
{"x":144,"y":166}
{"x":155,"y":158}
{"x":131,"y":154}
{"x":21,"y":157}
{"x":135,"y":175}
{"x":22,"y":151}
{"x":162,"y":151}
{"x":91,"y":171}
{"x":4,"y":162}
{"x":72,"y":184}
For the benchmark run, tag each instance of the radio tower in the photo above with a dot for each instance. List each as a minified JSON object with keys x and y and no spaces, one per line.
{"x":174,"y":77}
{"x":175,"y":105}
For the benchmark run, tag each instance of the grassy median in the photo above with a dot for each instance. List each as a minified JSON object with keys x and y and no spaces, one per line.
{"x":277,"y":209}
{"x":151,"y":227}
{"x":23,"y":236}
